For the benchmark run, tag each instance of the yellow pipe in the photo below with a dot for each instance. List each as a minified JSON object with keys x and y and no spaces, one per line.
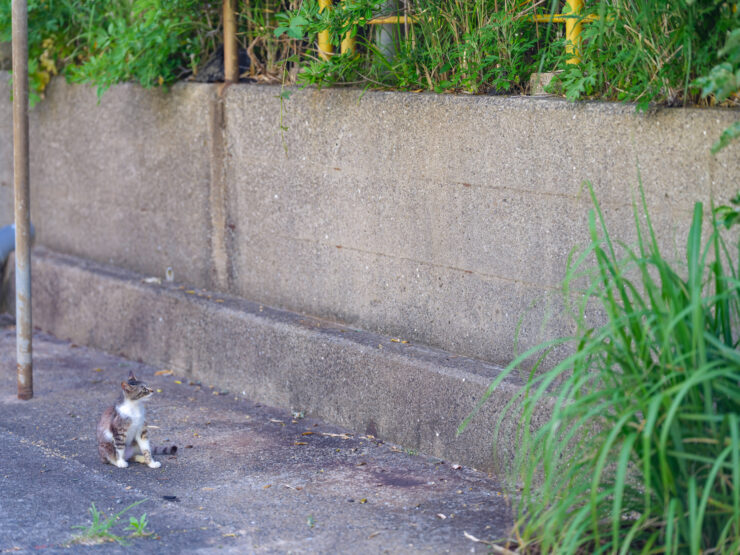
{"x":392,"y":19}
{"x":560,"y":18}
{"x":573,"y":28}
{"x":326,"y":49}
{"x":348,"y":43}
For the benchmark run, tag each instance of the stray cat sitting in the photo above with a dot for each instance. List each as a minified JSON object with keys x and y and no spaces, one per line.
{"x":122,"y":434}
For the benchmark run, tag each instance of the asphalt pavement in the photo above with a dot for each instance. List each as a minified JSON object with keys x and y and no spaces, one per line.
{"x":247,"y":478}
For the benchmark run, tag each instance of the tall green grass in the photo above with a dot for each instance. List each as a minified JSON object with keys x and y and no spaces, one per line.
{"x":649,"y":50}
{"x":642,"y":451}
{"x":643,"y":51}
{"x":454,"y":45}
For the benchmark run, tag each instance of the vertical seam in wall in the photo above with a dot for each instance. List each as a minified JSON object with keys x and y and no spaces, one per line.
{"x":217,"y":194}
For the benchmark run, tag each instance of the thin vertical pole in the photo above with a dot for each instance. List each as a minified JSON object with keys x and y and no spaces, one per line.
{"x":573,"y":28}
{"x":23,"y":327}
{"x":231,"y":56}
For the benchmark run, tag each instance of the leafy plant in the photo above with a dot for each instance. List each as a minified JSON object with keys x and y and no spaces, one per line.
{"x":449,"y":45}
{"x":293,"y":25}
{"x":99,"y":530}
{"x":104,"y":42}
{"x":644,"y":52}
{"x":268,"y":54}
{"x":138,"y":527}
{"x":642,"y":449}
{"x":50,"y":30}
{"x":650,"y":51}
{"x":148,"y":41}
{"x":722,"y":83}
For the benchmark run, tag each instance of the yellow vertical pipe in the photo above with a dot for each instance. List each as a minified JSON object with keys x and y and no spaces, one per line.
{"x":348,"y":43}
{"x":573,"y":29}
{"x":325,"y":47}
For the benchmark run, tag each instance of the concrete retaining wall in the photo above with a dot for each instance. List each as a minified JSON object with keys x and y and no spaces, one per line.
{"x":440,"y":219}
{"x":409,"y":394}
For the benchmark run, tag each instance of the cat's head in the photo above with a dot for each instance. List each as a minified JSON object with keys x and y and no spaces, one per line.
{"x":134,"y":389}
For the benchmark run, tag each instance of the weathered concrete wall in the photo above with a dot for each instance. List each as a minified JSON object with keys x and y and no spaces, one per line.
{"x":6,"y":151}
{"x":436,"y":218}
{"x":442,"y":218}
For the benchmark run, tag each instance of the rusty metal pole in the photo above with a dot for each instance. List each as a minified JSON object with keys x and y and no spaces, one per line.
{"x":231,"y":56}
{"x":23,"y":328}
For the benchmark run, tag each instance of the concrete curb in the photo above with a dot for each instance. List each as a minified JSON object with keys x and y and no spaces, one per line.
{"x":409,"y":394}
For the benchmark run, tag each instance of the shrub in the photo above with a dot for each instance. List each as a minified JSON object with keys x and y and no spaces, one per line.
{"x":647,"y":51}
{"x":102,"y":42}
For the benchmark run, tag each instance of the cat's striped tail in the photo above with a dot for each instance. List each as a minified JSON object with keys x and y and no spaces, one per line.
{"x":169,"y":450}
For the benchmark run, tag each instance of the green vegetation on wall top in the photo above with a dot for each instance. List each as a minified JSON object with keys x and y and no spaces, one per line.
{"x":647,"y":51}
{"x":642,"y":51}
{"x":106,"y":42}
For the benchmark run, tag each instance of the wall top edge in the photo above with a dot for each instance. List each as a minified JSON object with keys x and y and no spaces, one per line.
{"x":235,"y":93}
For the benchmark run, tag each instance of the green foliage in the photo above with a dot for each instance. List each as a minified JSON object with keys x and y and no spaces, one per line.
{"x":99,"y":530}
{"x":138,"y":527}
{"x":724,"y":79}
{"x":645,"y":52}
{"x":293,"y":25}
{"x":649,"y":51}
{"x":102,"y":42}
{"x":722,"y":83}
{"x":727,"y":136}
{"x":256,"y":31}
{"x":50,"y":33}
{"x":451,"y":46}
{"x":152,"y":42}
{"x":642,"y":450}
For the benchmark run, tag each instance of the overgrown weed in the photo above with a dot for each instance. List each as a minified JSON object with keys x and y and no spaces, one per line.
{"x":645,"y":52}
{"x":642,"y":450}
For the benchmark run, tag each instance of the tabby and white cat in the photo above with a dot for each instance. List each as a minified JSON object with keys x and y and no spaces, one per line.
{"x":122,"y":434}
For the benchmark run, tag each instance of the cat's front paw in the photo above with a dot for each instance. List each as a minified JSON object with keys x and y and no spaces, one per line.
{"x":121,"y":463}
{"x":154,"y":464}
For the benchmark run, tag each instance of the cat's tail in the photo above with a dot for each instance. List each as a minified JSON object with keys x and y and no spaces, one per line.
{"x":169,"y":450}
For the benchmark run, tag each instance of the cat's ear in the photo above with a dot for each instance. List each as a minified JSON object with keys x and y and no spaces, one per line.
{"x":131,"y":375}
{"x":125,"y":386}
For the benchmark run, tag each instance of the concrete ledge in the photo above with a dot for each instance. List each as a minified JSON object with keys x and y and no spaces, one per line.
{"x":405,"y":393}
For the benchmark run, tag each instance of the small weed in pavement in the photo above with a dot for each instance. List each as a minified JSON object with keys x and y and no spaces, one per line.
{"x":138,"y":527}
{"x":99,"y":530}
